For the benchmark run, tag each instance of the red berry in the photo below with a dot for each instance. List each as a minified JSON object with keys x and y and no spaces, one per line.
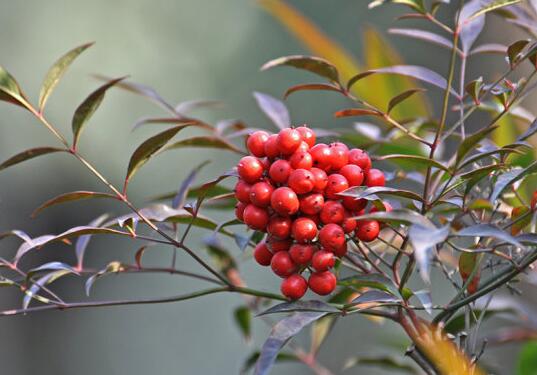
{"x":331,"y":236}
{"x":320,"y":180}
{"x":316,"y":219}
{"x":360,"y":158}
{"x":341,"y":251}
{"x":271,"y":146}
{"x":239,"y":210}
{"x":255,"y":217}
{"x":336,"y":184}
{"x":279,"y":171}
{"x":332,"y":212}
{"x":339,"y":155}
{"x":301,"y":254}
{"x":279,"y":227}
{"x":284,"y":201}
{"x":250,"y":169}
{"x":260,"y":194}
{"x":304,"y":230}
{"x":256,"y":143}
{"x":275,"y":244}
{"x":321,"y":154}
{"x":307,"y":135}
{"x":294,"y":287}
{"x":323,"y":260}
{"x":301,"y":159}
{"x":304,"y":147}
{"x":282,"y":264}
{"x":301,"y":181}
{"x":311,"y":204}
{"x":288,"y":140}
{"x":242,"y":191}
{"x":367,"y":230}
{"x":322,"y":283}
{"x":352,"y":204}
{"x":353,"y":174}
{"x":349,"y":224}
{"x":262,"y":254}
{"x":375,"y":177}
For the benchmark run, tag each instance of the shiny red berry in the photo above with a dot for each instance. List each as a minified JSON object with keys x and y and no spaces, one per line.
{"x":288,"y":140}
{"x":255,"y":217}
{"x":284,"y":201}
{"x":262,"y":254}
{"x":271,"y":146}
{"x":332,"y":212}
{"x":323,"y":260}
{"x":279,"y":171}
{"x":367,"y":230}
{"x":339,"y":156}
{"x":256,"y":143}
{"x":301,"y":159}
{"x":250,"y":169}
{"x":304,"y":230}
{"x":320,"y":180}
{"x":375,"y":177}
{"x":360,"y":158}
{"x":242,"y":191}
{"x":282,"y":264}
{"x":322,"y":283}
{"x":321,"y":154}
{"x":276,"y":244}
{"x":239,"y":210}
{"x":294,"y":287}
{"x":307,"y":134}
{"x":341,"y":251}
{"x":331,"y":236}
{"x":260,"y":194}
{"x":311,"y":204}
{"x":353,"y":174}
{"x":302,"y":254}
{"x":352,"y":204}
{"x":301,"y":181}
{"x":336,"y":184}
{"x":348,"y":224}
{"x":279,"y":227}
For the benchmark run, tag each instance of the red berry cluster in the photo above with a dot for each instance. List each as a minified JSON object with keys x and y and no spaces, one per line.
{"x":289,"y":188}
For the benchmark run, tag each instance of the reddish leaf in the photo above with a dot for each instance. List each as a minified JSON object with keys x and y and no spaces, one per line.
{"x":28,"y":154}
{"x":309,"y":87}
{"x":312,"y":64}
{"x":351,"y":112}
{"x":70,"y":197}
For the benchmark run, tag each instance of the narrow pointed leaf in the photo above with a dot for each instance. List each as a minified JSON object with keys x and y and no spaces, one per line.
{"x":372,"y":280}
{"x":404,"y":215}
{"x":423,"y":240}
{"x":495,"y":5}
{"x":188,"y":106}
{"x":532,"y":129}
{"x":10,"y":90}
{"x":470,"y":29}
{"x":275,"y":109}
{"x":471,"y":141}
{"x":88,"y":107}
{"x":487,"y":230}
{"x":420,"y":160}
{"x":315,"y":65}
{"x":243,"y":319}
{"x":70,"y":197}
{"x":310,"y":87}
{"x":353,"y":112}
{"x":295,"y":306}
{"x":56,"y":72}
{"x":360,"y":192}
{"x":402,"y":97}
{"x":417,"y":5}
{"x":423,"y":35}
{"x":28,"y":154}
{"x":378,"y":296}
{"x":83,"y":241}
{"x":508,"y":179}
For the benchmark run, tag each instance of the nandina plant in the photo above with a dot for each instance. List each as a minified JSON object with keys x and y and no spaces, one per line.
{"x":361,"y":216}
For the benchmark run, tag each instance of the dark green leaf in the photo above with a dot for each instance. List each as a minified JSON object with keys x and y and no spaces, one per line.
{"x":205,"y":142}
{"x":471,"y":141}
{"x":274,"y":109}
{"x":56,"y":72}
{"x":360,"y":192}
{"x":474,"y":89}
{"x":371,"y":296}
{"x":286,"y":307}
{"x":282,"y":332}
{"x":514,"y":51}
{"x":10,"y":90}
{"x":88,"y":107}
{"x":508,"y":179}
{"x":148,"y":148}
{"x":314,"y":65}
{"x":373,"y":280}
{"x":527,"y":359}
{"x":424,"y":240}
{"x":28,"y":154}
{"x":70,"y":197}
{"x":357,"y":78}
{"x":311,"y":87}
{"x":243,"y":319}
{"x":183,"y":121}
{"x":402,"y":97}
{"x":421,"y":160}
{"x":220,"y":255}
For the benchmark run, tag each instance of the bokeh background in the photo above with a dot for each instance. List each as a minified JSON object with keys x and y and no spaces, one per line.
{"x":186,"y":49}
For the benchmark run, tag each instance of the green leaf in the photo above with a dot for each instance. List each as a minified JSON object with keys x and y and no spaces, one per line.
{"x":420,"y":160}
{"x":495,"y":5}
{"x":10,"y":90}
{"x":243,"y":319}
{"x":147,"y":149}
{"x":385,"y":362}
{"x":315,"y":65}
{"x":310,"y":87}
{"x":527,"y":359}
{"x":360,"y":192}
{"x":286,"y":307}
{"x":88,"y":107}
{"x":112,"y":267}
{"x":372,"y":280}
{"x":514,"y":51}
{"x":70,"y":197}
{"x":56,"y":72}
{"x":28,"y":154}
{"x":375,"y":296}
{"x":352,"y":112}
{"x":205,"y":142}
{"x":471,"y":141}
{"x":282,"y":332}
{"x":473,"y":89}
{"x":417,"y":5}
{"x":402,"y":97}
{"x":508,"y":179}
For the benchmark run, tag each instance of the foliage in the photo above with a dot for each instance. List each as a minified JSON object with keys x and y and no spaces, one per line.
{"x":462,"y":189}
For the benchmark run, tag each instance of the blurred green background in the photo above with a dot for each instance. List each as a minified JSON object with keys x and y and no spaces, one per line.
{"x":186,"y":49}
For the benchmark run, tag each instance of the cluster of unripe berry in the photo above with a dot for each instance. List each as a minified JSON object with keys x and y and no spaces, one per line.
{"x":289,"y":188}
